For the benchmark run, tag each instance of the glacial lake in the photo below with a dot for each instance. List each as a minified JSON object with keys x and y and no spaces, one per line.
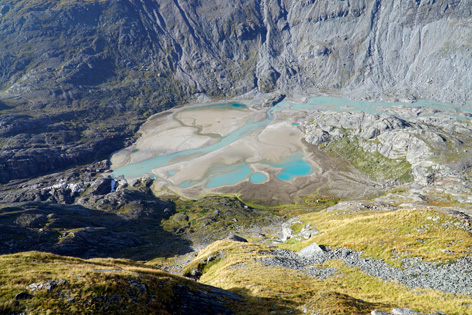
{"x":290,"y":167}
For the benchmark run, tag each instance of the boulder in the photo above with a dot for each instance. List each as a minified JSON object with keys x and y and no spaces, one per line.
{"x":47,"y":285}
{"x":404,"y":311}
{"x":286,"y":233}
{"x":102,"y":186}
{"x":311,"y":250}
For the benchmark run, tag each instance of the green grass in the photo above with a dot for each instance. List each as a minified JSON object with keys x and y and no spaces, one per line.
{"x":374,"y":164}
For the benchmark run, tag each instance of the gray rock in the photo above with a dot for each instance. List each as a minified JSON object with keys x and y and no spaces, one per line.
{"x":274,"y":100}
{"x":286,"y":233}
{"x":102,"y":186}
{"x":46,"y":285}
{"x":288,"y":47}
{"x":415,"y":141}
{"x":403,"y":311}
{"x":318,"y":137}
{"x":414,"y":273}
{"x":311,"y":250}
{"x":307,"y":232}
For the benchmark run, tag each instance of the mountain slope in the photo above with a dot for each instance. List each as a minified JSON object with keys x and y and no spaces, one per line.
{"x":102,"y":286}
{"x":70,"y":69}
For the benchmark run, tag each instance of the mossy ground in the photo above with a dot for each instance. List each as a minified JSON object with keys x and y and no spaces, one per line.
{"x":214,"y":217}
{"x":374,"y":164}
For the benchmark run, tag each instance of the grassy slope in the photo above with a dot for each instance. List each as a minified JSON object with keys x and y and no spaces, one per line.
{"x":106,"y":285}
{"x":93,"y":286}
{"x":350,"y":291}
{"x":391,"y":235}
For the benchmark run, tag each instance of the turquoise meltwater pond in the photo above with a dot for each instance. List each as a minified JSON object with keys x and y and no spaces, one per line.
{"x":294,"y":167}
{"x":291,"y":167}
{"x":258,"y":178}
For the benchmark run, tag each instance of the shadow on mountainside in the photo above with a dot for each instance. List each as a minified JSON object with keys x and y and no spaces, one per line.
{"x":265,"y":305}
{"x":74,"y":230}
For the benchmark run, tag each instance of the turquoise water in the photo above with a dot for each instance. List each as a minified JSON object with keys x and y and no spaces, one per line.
{"x":257,"y":178}
{"x":341,"y":104}
{"x":234,"y":106}
{"x":293,"y":167}
{"x":221,"y":175}
{"x":229,"y":178}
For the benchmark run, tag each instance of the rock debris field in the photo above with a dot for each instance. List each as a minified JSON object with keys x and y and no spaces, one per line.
{"x":414,"y":273}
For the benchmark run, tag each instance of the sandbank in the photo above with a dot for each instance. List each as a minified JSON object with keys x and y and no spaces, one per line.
{"x":259,"y":150}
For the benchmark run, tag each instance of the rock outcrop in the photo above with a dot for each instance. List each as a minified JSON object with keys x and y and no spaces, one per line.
{"x":418,"y":141}
{"x":75,"y":213}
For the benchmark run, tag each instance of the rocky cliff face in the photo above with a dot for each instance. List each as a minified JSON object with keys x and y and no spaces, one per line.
{"x":85,"y":63}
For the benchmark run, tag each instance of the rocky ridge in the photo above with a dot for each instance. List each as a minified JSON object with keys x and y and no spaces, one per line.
{"x":84,"y":212}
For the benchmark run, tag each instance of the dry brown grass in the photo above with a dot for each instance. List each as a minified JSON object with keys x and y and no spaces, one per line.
{"x":349,"y":291}
{"x":96,"y":286}
{"x":391,"y":235}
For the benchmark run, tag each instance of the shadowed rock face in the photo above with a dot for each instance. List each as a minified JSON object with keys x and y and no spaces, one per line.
{"x":65,"y":66}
